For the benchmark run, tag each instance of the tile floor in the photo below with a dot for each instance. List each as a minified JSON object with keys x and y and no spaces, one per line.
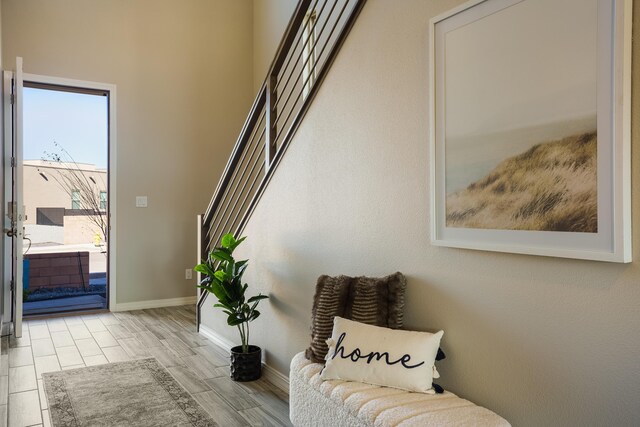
{"x":167,"y":334}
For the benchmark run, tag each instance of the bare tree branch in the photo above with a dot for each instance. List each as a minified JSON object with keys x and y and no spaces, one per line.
{"x":71,"y":178}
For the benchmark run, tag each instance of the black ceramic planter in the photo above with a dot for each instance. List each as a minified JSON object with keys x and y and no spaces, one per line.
{"x":246,"y":366}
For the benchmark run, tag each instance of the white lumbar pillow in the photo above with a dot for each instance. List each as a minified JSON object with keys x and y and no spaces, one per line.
{"x":381,"y":356}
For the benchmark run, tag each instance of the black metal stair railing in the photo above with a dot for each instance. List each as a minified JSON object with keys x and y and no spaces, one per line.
{"x":311,"y":42}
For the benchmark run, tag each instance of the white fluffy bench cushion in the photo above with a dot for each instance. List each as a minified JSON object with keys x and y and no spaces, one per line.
{"x":313,"y":402}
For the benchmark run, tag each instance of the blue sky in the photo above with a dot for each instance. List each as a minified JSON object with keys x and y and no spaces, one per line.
{"x":78,"y":122}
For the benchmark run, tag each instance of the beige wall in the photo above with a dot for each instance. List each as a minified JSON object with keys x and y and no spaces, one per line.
{"x":183,"y":71}
{"x":270,"y":19}
{"x":542,"y":341}
{"x":82,"y":230}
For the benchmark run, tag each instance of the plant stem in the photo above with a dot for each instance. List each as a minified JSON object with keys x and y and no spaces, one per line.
{"x":245,"y":344}
{"x":241,"y":335}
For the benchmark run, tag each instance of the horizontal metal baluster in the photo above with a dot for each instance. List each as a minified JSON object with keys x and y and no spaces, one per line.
{"x":230,"y":189}
{"x":292,"y":51}
{"x":223,"y":215}
{"x":238,"y":148}
{"x":335,"y":3}
{"x":246,"y":197}
{"x":231,"y":186}
{"x":309,"y":76}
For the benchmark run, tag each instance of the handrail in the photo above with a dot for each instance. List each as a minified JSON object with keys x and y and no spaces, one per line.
{"x":264,"y":132}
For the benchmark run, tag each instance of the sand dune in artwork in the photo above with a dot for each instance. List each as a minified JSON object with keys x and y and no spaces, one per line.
{"x":550,"y":187}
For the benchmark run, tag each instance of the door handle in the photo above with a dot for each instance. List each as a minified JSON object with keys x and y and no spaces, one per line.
{"x":10,"y":232}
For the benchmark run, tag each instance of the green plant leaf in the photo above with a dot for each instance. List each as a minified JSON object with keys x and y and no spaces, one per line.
{"x":240,"y":268}
{"x":219,"y":291}
{"x":225,"y":250}
{"x":237,"y":243}
{"x":229,"y":267}
{"x":232,"y":320}
{"x":257,"y":298}
{"x":235,"y":290}
{"x":201,"y":268}
{"x":254,"y":315}
{"x":220,"y":275}
{"x":236,"y":319}
{"x":221,"y":255}
{"x":204,"y":269}
{"x":225,"y":306}
{"x":206,"y":288}
{"x":228,"y":241}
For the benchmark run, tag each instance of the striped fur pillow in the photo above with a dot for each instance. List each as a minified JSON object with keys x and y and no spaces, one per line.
{"x":374,"y":301}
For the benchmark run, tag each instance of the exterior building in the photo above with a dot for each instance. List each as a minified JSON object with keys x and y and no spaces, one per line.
{"x":64,"y":202}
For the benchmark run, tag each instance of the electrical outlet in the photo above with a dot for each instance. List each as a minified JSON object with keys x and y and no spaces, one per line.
{"x":141,"y":202}
{"x":188,"y":274}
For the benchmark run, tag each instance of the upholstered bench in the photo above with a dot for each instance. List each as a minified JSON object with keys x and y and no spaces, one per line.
{"x":333,"y":403}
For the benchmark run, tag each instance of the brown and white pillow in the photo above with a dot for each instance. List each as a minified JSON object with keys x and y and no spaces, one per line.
{"x":373,"y":301}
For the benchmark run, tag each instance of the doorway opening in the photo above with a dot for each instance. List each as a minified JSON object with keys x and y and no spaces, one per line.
{"x":66,"y":198}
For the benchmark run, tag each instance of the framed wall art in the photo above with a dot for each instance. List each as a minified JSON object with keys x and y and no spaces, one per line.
{"x":530,"y":128}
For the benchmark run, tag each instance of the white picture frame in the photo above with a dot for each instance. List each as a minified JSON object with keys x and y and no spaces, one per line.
{"x":459,"y":125}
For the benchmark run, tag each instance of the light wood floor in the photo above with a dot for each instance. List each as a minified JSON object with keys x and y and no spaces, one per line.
{"x":167,"y":334}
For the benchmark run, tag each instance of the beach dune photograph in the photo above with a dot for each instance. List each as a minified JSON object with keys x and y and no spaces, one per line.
{"x":551,"y":187}
{"x":521,"y":142}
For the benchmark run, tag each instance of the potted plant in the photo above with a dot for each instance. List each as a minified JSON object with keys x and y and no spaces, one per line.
{"x":223,"y":279}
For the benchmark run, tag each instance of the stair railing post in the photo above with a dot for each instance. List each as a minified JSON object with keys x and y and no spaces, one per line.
{"x":201,"y":250}
{"x":272,"y":115}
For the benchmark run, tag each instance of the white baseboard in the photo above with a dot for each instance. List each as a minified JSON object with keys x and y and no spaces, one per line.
{"x":219,"y":340}
{"x":5,"y":328}
{"x":276,"y":378}
{"x":269,"y":373}
{"x":156,"y":303}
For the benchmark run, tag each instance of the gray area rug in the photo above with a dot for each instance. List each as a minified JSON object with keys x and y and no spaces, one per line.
{"x":136,"y":393}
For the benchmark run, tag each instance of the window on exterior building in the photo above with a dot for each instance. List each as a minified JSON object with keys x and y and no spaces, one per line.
{"x":103,"y":200}
{"x":309,"y":53}
{"x":75,"y":199}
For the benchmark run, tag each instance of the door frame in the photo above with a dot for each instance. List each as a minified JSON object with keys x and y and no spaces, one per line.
{"x":111,"y":163}
{"x":7,"y":302}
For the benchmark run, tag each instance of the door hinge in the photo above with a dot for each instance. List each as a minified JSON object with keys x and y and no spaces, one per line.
{"x":11,"y":285}
{"x":13,"y":162}
{"x":12,"y":98}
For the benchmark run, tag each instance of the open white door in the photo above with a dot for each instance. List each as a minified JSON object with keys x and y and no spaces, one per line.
{"x":15,"y":208}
